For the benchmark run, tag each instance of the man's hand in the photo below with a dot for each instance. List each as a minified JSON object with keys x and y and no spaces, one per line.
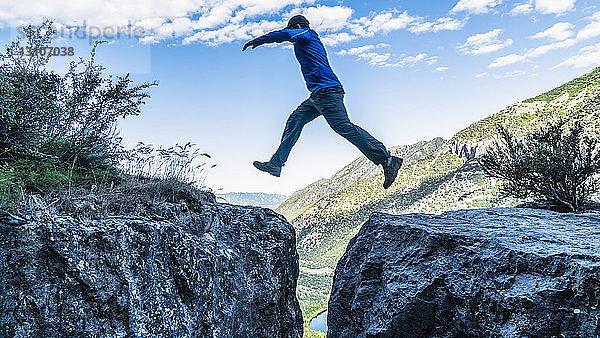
{"x":248,"y":44}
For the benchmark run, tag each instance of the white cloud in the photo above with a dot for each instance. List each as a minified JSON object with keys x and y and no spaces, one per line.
{"x":475,"y":6}
{"x":532,"y":53}
{"x":160,"y":19}
{"x":587,"y":57}
{"x":326,"y":18}
{"x":421,"y":57}
{"x":337,"y":38}
{"x":362,"y":49}
{"x":440,"y":24}
{"x":372,"y":55}
{"x":544,"y":49}
{"x":485,"y":43}
{"x":557,"y":7}
{"x":336,"y":22}
{"x":591,"y":30}
{"x":521,"y":9}
{"x":413,"y":60}
{"x":366,"y":53}
{"x":559,"y":32}
{"x":441,"y":69}
{"x":389,"y":21}
{"x":381,"y":22}
{"x":375,"y":59}
{"x":507,"y":60}
{"x":356,"y":50}
{"x":253,"y":8}
{"x":513,"y":74}
{"x":214,"y":22}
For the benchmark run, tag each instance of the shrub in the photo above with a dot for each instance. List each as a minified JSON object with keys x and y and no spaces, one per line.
{"x":556,"y":164}
{"x":61,"y":126}
{"x":70,"y":117}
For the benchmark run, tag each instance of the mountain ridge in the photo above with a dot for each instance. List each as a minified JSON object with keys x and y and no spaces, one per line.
{"x":359,"y":169}
{"x":258,"y":199}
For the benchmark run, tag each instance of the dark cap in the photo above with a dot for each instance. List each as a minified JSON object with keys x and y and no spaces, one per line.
{"x":298,"y":20}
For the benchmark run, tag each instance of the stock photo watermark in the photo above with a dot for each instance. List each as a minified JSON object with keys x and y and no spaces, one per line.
{"x":92,"y":33}
{"x":47,"y":51}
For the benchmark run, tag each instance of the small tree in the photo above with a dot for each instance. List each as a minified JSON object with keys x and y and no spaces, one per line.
{"x":69,"y":118}
{"x":555,"y":164}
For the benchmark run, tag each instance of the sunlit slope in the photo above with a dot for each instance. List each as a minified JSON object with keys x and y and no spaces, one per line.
{"x":359,"y":169}
{"x":562,"y":101}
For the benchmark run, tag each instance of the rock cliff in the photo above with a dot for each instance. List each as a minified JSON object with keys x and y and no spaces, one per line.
{"x":473,"y":273}
{"x":214,"y":270}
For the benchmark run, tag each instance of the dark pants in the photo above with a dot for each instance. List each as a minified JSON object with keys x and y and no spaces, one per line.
{"x":328,"y":102}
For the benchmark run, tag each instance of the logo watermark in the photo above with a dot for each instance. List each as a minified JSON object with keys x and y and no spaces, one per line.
{"x":92,"y":33}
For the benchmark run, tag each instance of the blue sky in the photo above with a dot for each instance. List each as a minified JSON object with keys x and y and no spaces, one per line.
{"x":413,"y":70}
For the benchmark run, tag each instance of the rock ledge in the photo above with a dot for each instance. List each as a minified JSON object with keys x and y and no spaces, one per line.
{"x":470,"y":273}
{"x":217,"y":271}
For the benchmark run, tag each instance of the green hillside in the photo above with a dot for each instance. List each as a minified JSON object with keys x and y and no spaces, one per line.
{"x":360,"y":169}
{"x":330,"y":212}
{"x":526,"y":115}
{"x":573,"y":87}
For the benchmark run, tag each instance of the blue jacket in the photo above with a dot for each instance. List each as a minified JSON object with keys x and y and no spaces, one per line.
{"x":310,"y":53}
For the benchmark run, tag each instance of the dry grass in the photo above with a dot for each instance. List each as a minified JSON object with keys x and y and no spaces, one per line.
{"x":147,"y":198}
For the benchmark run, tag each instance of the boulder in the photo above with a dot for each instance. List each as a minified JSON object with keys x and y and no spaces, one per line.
{"x":470,"y":273}
{"x":218,"y":271}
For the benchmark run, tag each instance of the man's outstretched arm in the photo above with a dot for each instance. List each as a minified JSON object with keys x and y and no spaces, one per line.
{"x":276,"y":36}
{"x":295,"y":35}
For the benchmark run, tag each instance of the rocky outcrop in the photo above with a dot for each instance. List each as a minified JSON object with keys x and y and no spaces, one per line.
{"x":472,"y":273}
{"x":463,"y":151}
{"x":215,"y":271}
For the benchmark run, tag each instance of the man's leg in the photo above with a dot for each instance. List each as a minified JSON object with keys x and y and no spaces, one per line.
{"x":332,"y":107}
{"x":305,"y":113}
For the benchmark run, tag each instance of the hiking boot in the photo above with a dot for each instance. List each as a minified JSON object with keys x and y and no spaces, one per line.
{"x":390,"y":170}
{"x":268,"y":167}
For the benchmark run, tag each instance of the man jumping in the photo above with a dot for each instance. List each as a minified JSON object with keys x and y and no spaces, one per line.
{"x":326,"y":98}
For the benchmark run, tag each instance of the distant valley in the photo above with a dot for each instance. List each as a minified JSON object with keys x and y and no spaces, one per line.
{"x":252,"y":198}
